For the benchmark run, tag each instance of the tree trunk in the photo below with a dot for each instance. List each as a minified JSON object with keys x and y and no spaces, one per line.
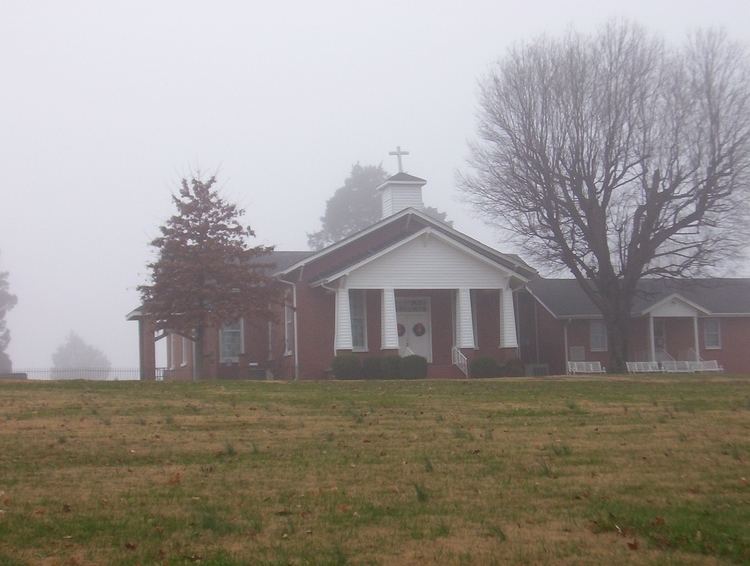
{"x":618,"y":336}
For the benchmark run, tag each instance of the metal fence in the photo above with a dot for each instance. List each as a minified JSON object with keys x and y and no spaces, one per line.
{"x":97,"y":374}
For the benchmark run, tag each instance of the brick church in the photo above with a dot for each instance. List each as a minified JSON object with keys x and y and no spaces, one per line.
{"x":411,"y":284}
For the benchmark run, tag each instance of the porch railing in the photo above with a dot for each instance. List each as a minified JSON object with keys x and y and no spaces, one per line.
{"x":460,"y":361}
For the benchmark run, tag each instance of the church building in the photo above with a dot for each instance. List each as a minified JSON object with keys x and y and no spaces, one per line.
{"x":411,"y":284}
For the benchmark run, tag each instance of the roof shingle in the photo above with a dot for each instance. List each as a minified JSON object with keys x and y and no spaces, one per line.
{"x":566,"y":298}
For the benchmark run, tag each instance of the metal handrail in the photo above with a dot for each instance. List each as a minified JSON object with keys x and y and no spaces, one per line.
{"x":460,"y":360}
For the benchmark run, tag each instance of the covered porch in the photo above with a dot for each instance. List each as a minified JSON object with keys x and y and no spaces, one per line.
{"x":674,"y":329}
{"x":430,"y":296}
{"x":448,"y":327}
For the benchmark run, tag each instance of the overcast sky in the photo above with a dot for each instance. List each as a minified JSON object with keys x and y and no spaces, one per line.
{"x":104,"y":105}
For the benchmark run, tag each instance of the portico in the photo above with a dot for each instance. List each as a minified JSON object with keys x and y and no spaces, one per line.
{"x":429,"y":290}
{"x":672,"y":324}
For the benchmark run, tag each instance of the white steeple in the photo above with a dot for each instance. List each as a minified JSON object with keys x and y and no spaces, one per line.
{"x":401,"y":190}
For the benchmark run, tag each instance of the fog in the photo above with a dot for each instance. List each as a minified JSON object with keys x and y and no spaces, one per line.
{"x":105,"y":105}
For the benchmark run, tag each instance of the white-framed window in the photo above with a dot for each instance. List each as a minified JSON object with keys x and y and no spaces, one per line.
{"x":231,"y":342}
{"x":358,"y":313}
{"x":185,"y":351}
{"x":288,"y":329}
{"x":712,"y":333}
{"x":598,"y":336}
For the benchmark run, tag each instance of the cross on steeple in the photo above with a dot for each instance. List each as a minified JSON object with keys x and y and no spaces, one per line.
{"x":398,"y":153}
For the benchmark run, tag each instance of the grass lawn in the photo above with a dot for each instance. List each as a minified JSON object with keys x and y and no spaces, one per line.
{"x":652,"y":470}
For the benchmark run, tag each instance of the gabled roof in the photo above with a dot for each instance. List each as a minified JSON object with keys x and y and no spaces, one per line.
{"x":510,"y":261}
{"x":565,"y":298}
{"x":135,"y":314}
{"x":372,"y":255}
{"x":403,"y":178}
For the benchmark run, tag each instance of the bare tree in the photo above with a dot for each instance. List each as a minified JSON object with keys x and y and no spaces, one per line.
{"x":617,"y":157}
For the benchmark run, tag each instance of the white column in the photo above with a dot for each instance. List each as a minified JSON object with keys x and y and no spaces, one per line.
{"x":651,"y":344}
{"x":464,"y":320}
{"x":695,"y":339}
{"x":388,"y":322}
{"x":343,"y":339}
{"x":508,"y":337}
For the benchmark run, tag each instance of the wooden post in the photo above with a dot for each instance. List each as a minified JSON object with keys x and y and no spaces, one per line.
{"x":695,"y":339}
{"x":388,"y":320}
{"x":651,"y":344}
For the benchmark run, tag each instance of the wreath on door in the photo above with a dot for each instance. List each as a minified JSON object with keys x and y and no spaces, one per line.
{"x":401,"y":329}
{"x":419,"y":329}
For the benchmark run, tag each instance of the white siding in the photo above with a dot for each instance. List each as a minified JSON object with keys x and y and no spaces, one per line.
{"x":386,"y":202}
{"x":674,"y":307}
{"x":398,"y":197}
{"x":427,"y":263}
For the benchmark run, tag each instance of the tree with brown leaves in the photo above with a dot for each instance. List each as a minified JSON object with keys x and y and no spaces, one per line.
{"x":617,"y":157}
{"x":206,"y":274}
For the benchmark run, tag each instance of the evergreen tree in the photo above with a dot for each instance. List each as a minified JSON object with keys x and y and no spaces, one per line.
{"x":75,"y":359}
{"x":7,"y":302}
{"x":355,"y":206}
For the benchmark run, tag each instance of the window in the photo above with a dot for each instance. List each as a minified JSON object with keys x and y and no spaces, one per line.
{"x":598,"y":336}
{"x":288,"y":330}
{"x":358,"y":313}
{"x":230,"y":342}
{"x":712,"y":334}
{"x":185,"y":351}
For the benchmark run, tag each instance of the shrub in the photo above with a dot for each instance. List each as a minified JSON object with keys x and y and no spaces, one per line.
{"x":390,"y":367}
{"x":372,"y":368}
{"x":346,"y":366}
{"x":514,"y":368}
{"x":484,"y":367}
{"x":414,"y":367}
